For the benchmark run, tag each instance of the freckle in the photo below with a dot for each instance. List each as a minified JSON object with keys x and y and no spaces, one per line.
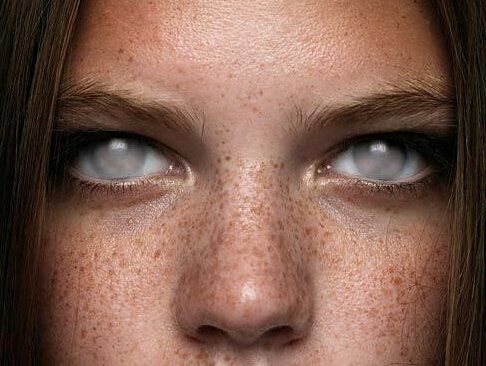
{"x":227,"y":158}
{"x":130,"y":59}
{"x":121,"y":50}
{"x":157,"y":254}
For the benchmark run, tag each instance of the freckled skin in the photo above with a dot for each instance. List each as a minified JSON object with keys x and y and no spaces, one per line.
{"x":249,"y":263}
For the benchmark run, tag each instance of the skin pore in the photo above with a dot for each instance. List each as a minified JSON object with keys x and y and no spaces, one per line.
{"x":253,"y":249}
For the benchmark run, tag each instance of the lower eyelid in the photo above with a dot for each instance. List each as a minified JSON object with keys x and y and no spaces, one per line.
{"x":121,"y":193}
{"x":325,"y":177}
{"x":358,"y":190}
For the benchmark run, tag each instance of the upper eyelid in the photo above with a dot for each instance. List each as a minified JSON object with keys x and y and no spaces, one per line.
{"x":405,"y":137}
{"x":86,"y":138}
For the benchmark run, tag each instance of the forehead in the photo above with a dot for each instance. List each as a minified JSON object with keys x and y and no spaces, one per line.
{"x":191,"y":47}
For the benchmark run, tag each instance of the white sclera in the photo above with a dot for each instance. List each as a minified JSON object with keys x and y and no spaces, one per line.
{"x":120,"y":159}
{"x":379,"y":160}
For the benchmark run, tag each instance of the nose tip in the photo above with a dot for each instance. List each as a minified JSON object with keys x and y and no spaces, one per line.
{"x":247,"y":318}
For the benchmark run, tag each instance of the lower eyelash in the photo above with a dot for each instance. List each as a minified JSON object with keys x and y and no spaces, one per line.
{"x":96,"y":188}
{"x":361,"y":189}
{"x":405,"y":188}
{"x":89,"y":190}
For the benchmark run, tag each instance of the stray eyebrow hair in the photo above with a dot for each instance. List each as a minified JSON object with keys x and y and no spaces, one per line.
{"x":409,"y":105}
{"x":90,"y":105}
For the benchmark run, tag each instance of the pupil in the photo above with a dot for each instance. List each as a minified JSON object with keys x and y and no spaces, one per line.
{"x":118,"y":158}
{"x":379,"y":159}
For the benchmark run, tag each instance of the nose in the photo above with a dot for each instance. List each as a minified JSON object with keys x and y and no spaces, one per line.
{"x":246,"y":283}
{"x":244,"y":313}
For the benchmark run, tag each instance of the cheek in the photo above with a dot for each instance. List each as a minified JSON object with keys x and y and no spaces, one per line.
{"x":382,"y":280}
{"x":103,"y":285}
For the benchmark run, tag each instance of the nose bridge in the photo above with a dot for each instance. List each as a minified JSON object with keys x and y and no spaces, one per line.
{"x":248,"y":276}
{"x":251,"y":222}
{"x":252,"y":198}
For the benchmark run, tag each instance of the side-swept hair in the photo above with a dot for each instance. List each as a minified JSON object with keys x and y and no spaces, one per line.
{"x":464,"y":24}
{"x":34,"y":37}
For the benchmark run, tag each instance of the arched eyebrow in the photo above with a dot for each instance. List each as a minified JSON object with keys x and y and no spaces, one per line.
{"x":91,"y":105}
{"x":407,"y":105}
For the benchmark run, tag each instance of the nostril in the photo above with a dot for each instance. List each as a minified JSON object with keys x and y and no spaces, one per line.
{"x":283,"y":335}
{"x":209,"y":332}
{"x":279,"y":331}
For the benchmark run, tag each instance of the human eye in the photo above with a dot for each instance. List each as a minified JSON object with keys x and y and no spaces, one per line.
{"x":390,"y":161}
{"x":116,"y":162}
{"x":381,"y":160}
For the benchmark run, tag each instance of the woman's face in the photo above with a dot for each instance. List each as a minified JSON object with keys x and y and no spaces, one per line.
{"x":271,"y":192}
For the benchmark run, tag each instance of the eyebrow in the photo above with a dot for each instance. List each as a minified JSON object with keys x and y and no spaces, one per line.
{"x":424,"y":104}
{"x":91,"y":105}
{"x":412,"y":104}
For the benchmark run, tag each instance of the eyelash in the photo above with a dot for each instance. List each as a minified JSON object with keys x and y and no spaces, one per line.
{"x":68,"y":144}
{"x":437,"y":150}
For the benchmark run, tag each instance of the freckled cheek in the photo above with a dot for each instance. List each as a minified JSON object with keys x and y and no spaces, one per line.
{"x":102,"y":290}
{"x":382,"y":278}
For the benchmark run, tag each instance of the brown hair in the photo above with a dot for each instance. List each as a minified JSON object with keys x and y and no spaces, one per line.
{"x":34,"y":39}
{"x":465,"y":28}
